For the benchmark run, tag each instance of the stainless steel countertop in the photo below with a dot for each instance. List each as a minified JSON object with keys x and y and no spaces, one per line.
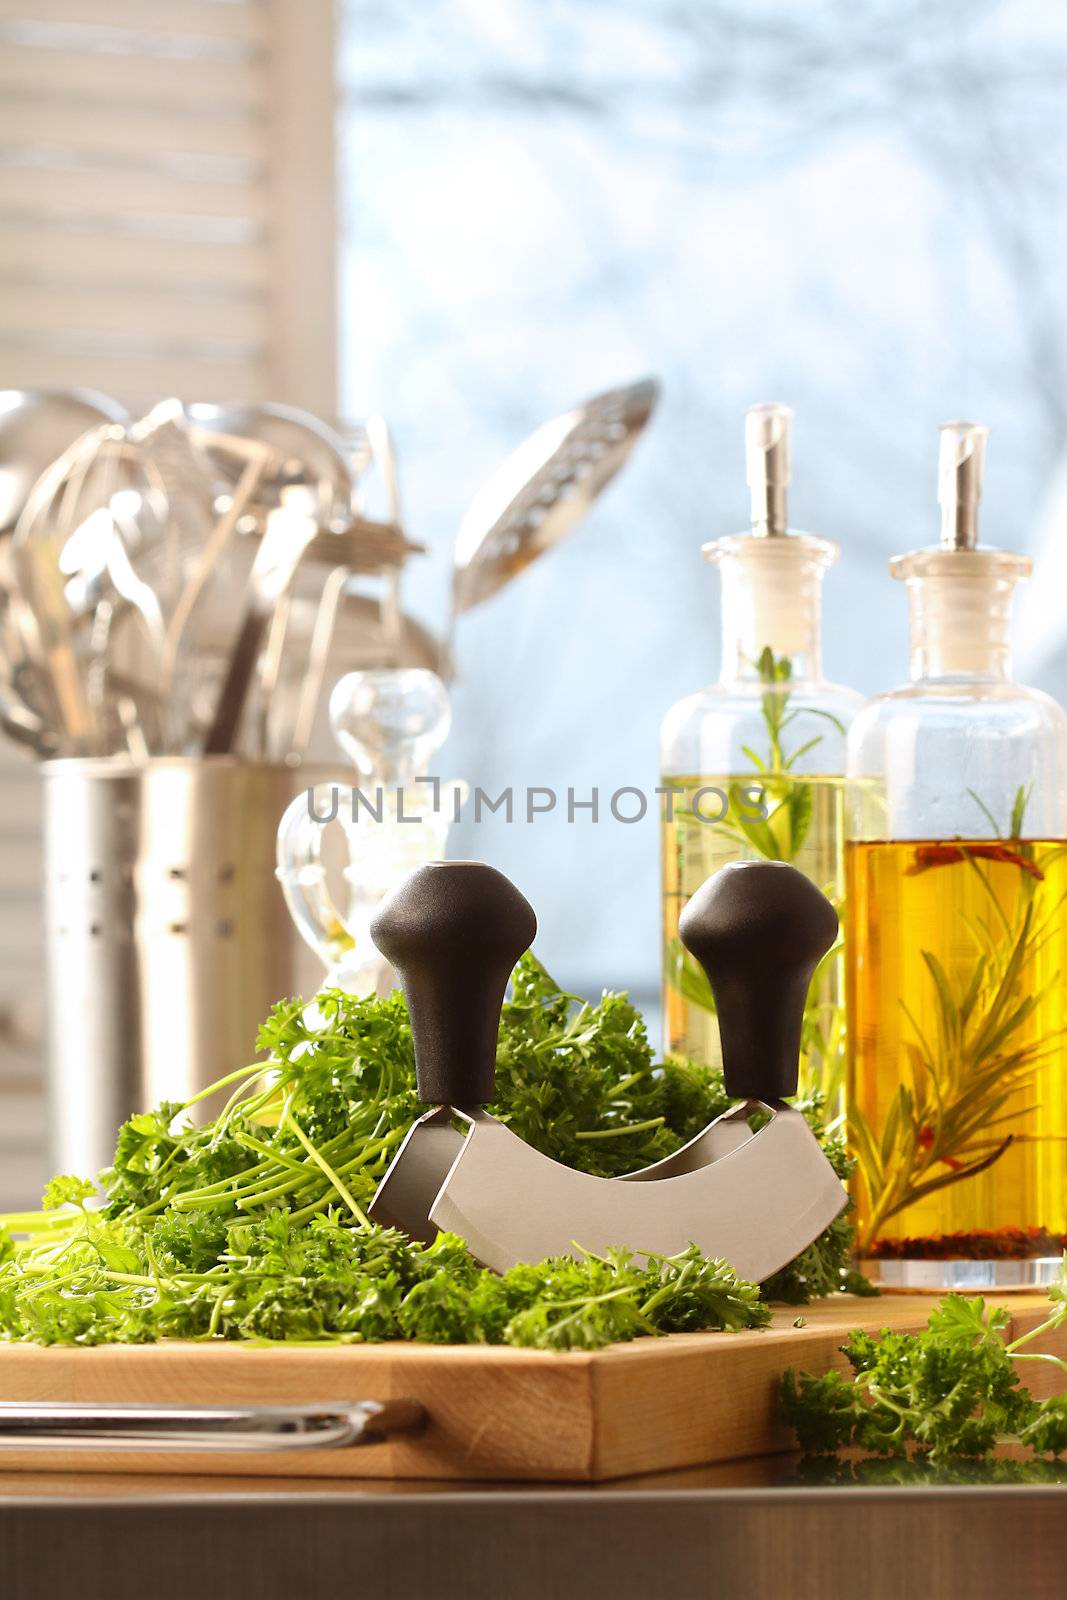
{"x":730,"y":1531}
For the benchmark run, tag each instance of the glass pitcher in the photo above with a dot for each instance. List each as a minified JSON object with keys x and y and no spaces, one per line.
{"x":389,"y":722}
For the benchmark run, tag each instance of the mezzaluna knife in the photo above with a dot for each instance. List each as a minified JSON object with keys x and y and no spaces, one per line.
{"x":453,"y":931}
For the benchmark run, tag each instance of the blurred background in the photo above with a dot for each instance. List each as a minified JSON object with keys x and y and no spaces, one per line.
{"x":470,"y":214}
{"x":860,"y":209}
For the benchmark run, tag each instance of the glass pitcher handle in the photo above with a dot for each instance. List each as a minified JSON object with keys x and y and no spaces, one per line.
{"x":302,"y":875}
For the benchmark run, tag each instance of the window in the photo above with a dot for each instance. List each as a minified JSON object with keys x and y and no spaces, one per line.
{"x":856,"y":209}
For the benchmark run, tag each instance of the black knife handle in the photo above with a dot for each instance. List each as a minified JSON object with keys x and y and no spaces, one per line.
{"x":759,"y":929}
{"x":453,"y":930}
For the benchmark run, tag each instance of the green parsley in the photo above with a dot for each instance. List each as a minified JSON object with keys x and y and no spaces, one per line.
{"x":253,"y":1225}
{"x":951,"y":1391}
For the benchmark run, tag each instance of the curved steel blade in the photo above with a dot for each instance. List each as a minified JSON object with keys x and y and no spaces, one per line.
{"x":726,"y":1133}
{"x":413,"y":1180}
{"x":757,"y":1206}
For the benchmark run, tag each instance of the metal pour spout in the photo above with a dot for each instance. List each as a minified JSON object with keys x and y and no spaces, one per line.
{"x":767,"y":429}
{"x":959,"y":482}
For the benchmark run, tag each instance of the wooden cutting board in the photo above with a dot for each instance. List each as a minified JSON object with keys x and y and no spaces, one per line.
{"x":649,"y":1406}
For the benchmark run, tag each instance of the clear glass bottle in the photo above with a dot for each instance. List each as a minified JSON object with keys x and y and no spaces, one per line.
{"x":389,"y":721}
{"x":957,"y":929}
{"x":755,"y":763}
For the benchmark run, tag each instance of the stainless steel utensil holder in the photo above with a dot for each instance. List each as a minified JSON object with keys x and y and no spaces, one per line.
{"x":167,"y":935}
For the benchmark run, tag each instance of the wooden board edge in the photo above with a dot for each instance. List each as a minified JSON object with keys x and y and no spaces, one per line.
{"x":627,"y":1400}
{"x":635,"y":1409}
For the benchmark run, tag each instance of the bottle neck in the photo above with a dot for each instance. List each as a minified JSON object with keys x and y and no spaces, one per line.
{"x":771,"y":592}
{"x":959,"y":610}
{"x":958,"y":640}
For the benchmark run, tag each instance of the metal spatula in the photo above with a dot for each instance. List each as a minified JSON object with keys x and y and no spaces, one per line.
{"x":453,"y":931}
{"x":544,"y":489}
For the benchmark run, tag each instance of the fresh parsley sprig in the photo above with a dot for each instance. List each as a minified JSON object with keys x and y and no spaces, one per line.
{"x":951,"y":1391}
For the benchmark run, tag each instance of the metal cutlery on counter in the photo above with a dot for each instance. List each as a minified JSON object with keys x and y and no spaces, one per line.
{"x":454,"y":930}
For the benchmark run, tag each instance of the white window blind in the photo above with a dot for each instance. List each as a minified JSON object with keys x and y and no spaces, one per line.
{"x":167,"y":226}
{"x":167,"y":198}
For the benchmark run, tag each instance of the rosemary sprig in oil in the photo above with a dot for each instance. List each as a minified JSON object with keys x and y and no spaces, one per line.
{"x":971,"y":1074}
{"x":788,"y":804}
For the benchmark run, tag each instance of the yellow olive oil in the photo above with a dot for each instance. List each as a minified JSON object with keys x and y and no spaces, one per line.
{"x":802,"y":822}
{"x":956,"y":957}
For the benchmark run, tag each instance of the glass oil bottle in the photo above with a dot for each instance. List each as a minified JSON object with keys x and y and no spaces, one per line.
{"x":957,"y":930}
{"x":753,"y":766}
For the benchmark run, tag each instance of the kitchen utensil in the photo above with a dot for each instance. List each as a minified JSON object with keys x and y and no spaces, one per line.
{"x":22,"y":725}
{"x":269,"y":670}
{"x":101,"y":583}
{"x":318,"y":656}
{"x":262,"y":481}
{"x":383,"y":455}
{"x":140,"y":596}
{"x":131,"y":1425}
{"x":121,"y":501}
{"x":250,"y":462}
{"x":21,"y":700}
{"x":122,"y":526}
{"x":339,"y":630}
{"x":134,"y":528}
{"x":291,"y":526}
{"x":80,"y":482}
{"x":358,"y":453}
{"x":37,"y":426}
{"x":363,"y":548}
{"x":305,"y":452}
{"x":544,"y":489}
{"x":759,"y":929}
{"x":492,"y":1412}
{"x":181,"y":476}
{"x":453,"y":932}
